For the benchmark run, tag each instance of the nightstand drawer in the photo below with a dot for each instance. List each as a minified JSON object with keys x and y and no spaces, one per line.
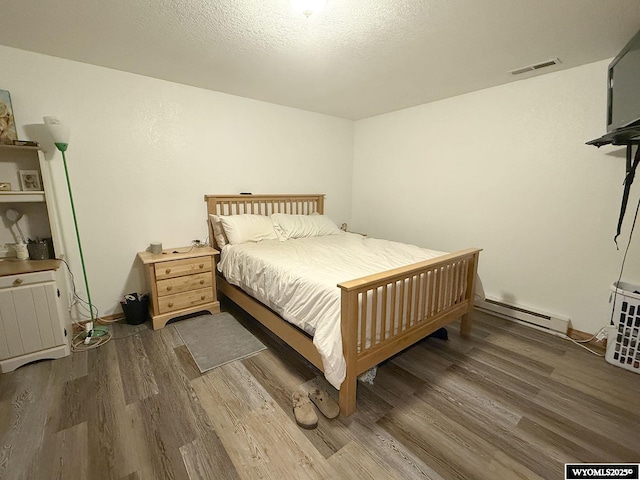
{"x":171,"y":303}
{"x":184,"y":284}
{"x":177,"y":268}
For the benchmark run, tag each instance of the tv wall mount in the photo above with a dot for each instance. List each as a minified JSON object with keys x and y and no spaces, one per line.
{"x":630,"y":141}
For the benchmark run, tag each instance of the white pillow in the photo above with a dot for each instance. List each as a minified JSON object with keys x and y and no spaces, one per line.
{"x":247,"y":228}
{"x":298,"y":226}
{"x":218,"y":232}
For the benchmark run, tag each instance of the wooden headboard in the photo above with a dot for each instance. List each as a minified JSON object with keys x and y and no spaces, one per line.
{"x":258,"y":204}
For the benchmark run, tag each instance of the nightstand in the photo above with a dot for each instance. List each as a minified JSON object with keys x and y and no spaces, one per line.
{"x":182,"y":281}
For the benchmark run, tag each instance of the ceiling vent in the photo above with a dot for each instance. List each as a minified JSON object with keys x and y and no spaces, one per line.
{"x":535,"y":66}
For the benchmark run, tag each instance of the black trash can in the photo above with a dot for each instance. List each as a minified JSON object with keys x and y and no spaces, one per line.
{"x":135,"y":308}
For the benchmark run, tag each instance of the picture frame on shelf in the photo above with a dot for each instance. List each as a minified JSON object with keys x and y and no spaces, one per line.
{"x":8,"y":132}
{"x":30,"y":180}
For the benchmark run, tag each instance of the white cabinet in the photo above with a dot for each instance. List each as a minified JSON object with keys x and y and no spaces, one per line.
{"x":32,"y":319}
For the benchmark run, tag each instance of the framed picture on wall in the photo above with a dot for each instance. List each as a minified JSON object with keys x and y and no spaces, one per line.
{"x":8,"y":131}
{"x":30,"y":180}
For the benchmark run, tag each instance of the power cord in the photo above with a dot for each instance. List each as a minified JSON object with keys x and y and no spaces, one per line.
{"x":86,"y":339}
{"x":79,"y":342}
{"x":565,"y":337}
{"x":199,"y":243}
{"x":581,"y":343}
{"x":104,"y":321}
{"x":624,"y":259}
{"x":76,"y":297}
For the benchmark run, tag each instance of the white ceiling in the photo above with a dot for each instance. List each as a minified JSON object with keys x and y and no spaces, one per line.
{"x":355,"y":59}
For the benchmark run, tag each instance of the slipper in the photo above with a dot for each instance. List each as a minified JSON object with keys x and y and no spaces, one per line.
{"x":327,"y":405}
{"x":303,"y":411}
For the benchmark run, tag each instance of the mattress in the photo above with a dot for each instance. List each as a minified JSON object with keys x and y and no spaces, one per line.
{"x":298,"y":279}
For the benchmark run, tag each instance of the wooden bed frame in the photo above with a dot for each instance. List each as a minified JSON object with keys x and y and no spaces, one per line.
{"x":403,"y":305}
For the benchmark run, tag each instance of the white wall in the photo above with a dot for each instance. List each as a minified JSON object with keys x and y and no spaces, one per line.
{"x":506,"y":169}
{"x":143,"y":153}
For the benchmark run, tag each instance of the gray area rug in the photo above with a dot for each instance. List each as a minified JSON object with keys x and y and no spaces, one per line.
{"x":214,"y":340}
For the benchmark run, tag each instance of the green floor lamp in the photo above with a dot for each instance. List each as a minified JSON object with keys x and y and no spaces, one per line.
{"x":60,"y":133}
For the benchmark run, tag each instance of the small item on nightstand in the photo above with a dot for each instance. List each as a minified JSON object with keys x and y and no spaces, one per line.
{"x":155,"y":247}
{"x":21,"y":251}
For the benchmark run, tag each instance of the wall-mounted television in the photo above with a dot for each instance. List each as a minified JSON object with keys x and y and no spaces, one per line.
{"x":623,"y":96}
{"x":623,"y":109}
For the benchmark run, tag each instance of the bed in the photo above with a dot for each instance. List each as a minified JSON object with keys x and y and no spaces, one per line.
{"x":379,"y":314}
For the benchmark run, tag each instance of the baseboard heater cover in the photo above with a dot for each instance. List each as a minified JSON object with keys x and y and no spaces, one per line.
{"x":546,"y":320}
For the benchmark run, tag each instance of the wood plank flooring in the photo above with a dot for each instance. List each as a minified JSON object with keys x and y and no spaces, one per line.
{"x":508,"y":403}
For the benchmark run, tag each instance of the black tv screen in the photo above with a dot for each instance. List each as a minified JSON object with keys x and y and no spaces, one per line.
{"x":624,"y":87}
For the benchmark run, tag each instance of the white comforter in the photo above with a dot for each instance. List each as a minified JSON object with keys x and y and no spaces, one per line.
{"x":298,"y":279}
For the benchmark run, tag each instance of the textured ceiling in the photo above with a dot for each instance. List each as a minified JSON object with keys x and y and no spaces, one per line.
{"x":355,"y":59}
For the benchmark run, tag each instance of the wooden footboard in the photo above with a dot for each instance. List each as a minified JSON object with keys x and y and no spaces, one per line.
{"x":383,"y":314}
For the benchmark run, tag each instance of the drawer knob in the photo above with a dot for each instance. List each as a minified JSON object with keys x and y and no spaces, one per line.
{"x":201,"y":265}
{"x":170,"y":304}
{"x":18,"y":281}
{"x":167,"y":271}
{"x":202,"y":297}
{"x":202,"y":282}
{"x":169,"y":288}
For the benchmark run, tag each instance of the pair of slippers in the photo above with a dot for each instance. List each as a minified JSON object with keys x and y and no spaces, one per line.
{"x":303,"y":410}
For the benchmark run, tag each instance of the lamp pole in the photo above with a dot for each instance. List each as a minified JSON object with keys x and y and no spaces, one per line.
{"x":63,"y":148}
{"x":60,"y":133}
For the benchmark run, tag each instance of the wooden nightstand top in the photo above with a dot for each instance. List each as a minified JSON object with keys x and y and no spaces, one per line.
{"x":179,"y":253}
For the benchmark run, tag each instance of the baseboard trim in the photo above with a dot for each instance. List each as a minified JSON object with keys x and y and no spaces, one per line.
{"x":104,"y":320}
{"x":521,"y":313}
{"x":595,"y":343}
{"x":107,"y":319}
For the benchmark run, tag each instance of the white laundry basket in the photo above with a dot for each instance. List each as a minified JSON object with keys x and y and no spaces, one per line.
{"x":623,"y":342}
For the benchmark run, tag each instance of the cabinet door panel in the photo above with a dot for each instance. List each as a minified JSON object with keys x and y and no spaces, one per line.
{"x":24,"y":301}
{"x":5,"y":298}
{"x":55,"y":319}
{"x":9,"y":319}
{"x":44,"y":317}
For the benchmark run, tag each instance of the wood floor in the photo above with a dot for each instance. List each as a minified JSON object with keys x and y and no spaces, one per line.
{"x":510,"y":402}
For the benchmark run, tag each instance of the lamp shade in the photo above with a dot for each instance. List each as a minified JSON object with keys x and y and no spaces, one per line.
{"x":58,"y":129}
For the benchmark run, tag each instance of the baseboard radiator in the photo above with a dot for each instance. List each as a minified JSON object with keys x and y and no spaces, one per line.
{"x":545,"y":320}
